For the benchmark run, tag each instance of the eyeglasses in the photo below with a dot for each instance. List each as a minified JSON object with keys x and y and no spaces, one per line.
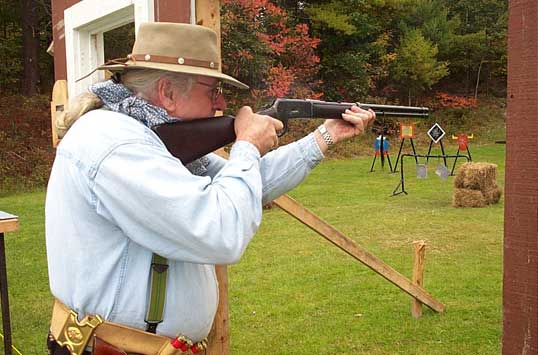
{"x":216,"y":90}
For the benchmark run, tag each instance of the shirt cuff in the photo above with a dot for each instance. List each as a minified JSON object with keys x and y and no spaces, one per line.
{"x":245,"y":150}
{"x":310,"y":150}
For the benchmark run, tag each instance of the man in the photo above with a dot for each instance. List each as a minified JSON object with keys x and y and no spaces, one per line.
{"x":121,"y":212}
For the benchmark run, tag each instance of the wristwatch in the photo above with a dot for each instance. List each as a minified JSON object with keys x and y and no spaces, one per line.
{"x":325,"y":135}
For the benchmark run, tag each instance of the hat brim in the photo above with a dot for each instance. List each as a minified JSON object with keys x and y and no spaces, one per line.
{"x":187,"y":69}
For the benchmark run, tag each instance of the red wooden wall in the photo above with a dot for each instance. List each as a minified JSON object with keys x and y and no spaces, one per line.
{"x":520,"y":283}
{"x":165,"y":11}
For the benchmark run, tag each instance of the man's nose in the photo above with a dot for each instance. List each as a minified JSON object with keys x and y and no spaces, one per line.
{"x":220,"y":103}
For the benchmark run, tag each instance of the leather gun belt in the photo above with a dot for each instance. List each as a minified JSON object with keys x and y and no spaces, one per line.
{"x":75,"y":334}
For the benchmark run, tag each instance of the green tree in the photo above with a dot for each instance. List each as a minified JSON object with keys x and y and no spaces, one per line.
{"x":25,"y":34}
{"x":357,"y":42}
{"x":10,"y":47}
{"x":432,"y":18}
{"x":480,"y":51}
{"x":416,"y":66}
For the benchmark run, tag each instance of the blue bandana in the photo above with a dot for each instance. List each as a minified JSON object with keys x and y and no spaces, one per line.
{"x":119,"y":98}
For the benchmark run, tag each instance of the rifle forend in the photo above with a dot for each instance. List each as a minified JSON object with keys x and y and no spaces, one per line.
{"x":190,"y":140}
{"x":285,"y":109}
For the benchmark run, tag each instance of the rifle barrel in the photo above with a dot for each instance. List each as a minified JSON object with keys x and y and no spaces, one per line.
{"x":324,"y":109}
{"x":392,"y":110}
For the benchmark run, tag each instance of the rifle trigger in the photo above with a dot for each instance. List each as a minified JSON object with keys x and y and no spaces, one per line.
{"x":284,"y":130}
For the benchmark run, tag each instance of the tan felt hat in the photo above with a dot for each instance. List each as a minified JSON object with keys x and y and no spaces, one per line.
{"x":176,"y":47}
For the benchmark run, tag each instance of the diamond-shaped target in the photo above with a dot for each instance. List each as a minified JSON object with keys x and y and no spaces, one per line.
{"x":436,"y":133}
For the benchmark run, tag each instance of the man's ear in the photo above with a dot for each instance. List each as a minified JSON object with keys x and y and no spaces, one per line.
{"x":166,"y":95}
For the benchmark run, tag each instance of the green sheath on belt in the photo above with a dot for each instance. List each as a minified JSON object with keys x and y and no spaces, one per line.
{"x":159,"y":270}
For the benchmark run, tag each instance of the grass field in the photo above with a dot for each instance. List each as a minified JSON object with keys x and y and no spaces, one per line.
{"x":295,"y":293}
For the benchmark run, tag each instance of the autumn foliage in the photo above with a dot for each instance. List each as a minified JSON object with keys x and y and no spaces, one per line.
{"x":445,"y":100}
{"x":264,"y":48}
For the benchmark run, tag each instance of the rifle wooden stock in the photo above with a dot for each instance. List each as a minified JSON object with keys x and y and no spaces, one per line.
{"x":190,"y":140}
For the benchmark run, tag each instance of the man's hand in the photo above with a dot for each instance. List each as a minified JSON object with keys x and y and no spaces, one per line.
{"x":355,"y":121}
{"x":259,"y":130}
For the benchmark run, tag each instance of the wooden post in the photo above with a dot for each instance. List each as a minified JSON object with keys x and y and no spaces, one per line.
{"x":520,"y":274}
{"x":219,"y":337}
{"x":57,"y":105}
{"x":208,"y":15}
{"x":419,"y":247}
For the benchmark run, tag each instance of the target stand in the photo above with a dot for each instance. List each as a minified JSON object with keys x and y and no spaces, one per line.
{"x":407,"y":131}
{"x":463,"y":145}
{"x":400,"y":188}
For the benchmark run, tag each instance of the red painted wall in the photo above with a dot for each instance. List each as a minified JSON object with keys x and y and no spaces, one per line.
{"x":520,"y":284}
{"x":60,"y":66}
{"x":165,"y":11}
{"x":172,"y":11}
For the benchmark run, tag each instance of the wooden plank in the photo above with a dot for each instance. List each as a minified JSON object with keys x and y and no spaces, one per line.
{"x":219,"y":337}
{"x":419,"y":248}
{"x":208,"y":15}
{"x":520,"y":267}
{"x":9,"y":225}
{"x":57,"y":105}
{"x":8,"y":222}
{"x":349,"y":246}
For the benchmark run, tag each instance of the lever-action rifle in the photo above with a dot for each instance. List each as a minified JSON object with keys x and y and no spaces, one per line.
{"x":190,"y":140}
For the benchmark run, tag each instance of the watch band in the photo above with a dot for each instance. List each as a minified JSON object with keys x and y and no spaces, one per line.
{"x":325,"y":135}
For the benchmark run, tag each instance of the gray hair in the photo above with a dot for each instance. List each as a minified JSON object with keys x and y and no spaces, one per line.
{"x":142,"y":82}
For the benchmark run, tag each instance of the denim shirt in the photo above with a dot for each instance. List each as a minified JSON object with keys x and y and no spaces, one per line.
{"x":116,"y":196}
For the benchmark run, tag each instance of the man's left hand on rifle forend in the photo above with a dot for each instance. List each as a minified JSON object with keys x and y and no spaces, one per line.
{"x":133,"y":234}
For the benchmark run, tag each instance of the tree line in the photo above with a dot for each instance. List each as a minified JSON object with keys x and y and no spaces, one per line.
{"x":334,"y":49}
{"x":396,"y":49}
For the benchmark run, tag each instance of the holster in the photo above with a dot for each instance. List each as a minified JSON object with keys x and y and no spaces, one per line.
{"x":101,"y":347}
{"x":68,"y":335}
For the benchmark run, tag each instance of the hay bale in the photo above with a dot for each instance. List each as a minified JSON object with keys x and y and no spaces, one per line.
{"x":492,"y":195}
{"x":458,"y":180}
{"x":468,"y":198}
{"x":476,"y":176}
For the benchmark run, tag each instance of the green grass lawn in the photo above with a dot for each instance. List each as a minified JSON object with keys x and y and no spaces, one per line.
{"x":295,"y":293}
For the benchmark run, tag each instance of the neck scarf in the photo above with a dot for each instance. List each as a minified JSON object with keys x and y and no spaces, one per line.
{"x":119,"y":98}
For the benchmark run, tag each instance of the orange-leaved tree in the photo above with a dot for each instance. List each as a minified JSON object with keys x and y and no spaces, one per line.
{"x":268,"y":50}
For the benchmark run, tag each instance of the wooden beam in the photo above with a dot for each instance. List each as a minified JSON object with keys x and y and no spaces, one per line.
{"x":520,"y":279}
{"x":219,"y":337}
{"x":208,"y":15}
{"x":9,"y":225}
{"x":57,"y":106}
{"x":419,"y":248}
{"x":349,"y":246}
{"x":8,"y":222}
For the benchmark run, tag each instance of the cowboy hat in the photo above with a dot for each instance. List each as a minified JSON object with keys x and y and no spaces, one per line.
{"x":175,"y":47}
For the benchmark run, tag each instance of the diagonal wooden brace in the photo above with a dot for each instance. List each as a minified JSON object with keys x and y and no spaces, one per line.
{"x":336,"y":237}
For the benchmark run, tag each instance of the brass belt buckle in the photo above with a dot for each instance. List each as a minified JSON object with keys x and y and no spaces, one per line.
{"x":74,"y":335}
